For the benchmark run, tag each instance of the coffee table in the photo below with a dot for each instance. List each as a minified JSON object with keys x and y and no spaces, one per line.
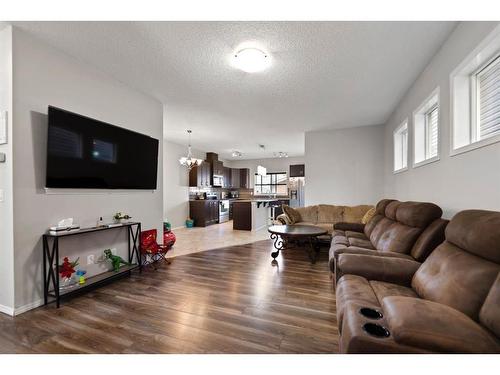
{"x":282,"y":234}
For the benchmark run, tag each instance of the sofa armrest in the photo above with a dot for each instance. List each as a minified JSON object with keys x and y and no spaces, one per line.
{"x":373,"y":267}
{"x":354,"y":227}
{"x":437,"y":327}
{"x":284,"y":219}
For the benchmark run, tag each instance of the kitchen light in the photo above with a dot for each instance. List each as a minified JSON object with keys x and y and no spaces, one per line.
{"x":251,"y":60}
{"x":281,"y":154}
{"x":188,"y":161}
{"x":236,"y":154}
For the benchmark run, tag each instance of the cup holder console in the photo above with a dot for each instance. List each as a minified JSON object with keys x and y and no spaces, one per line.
{"x":376,"y":330}
{"x":370,"y":313}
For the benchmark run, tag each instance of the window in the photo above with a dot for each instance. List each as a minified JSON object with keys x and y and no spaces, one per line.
{"x":488,"y":100}
{"x":475,"y":91}
{"x":426,"y":131}
{"x":401,"y":147}
{"x":271,"y":183}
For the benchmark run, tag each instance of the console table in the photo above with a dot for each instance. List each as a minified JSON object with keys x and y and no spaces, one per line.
{"x":51,"y":262}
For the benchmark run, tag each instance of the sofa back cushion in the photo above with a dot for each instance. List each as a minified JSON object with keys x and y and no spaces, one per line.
{"x":400,"y":225}
{"x":489,"y":315}
{"x":354,"y":214}
{"x":293,"y":214}
{"x":456,"y":278}
{"x":308,"y":214}
{"x":431,"y":237}
{"x":328,"y":213}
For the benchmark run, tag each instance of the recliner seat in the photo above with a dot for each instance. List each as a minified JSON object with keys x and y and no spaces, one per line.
{"x":448,"y":304}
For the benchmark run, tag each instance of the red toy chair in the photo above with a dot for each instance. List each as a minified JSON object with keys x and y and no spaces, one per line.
{"x":151,"y":251}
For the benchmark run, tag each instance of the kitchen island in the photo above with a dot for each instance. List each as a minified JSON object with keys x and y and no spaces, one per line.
{"x":253,"y":214}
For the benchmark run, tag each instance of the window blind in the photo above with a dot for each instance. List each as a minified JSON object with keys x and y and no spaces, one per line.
{"x":489,"y":99}
{"x":432,"y":132}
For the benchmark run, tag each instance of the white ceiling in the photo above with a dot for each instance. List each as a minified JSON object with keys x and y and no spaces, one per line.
{"x":324,"y":75}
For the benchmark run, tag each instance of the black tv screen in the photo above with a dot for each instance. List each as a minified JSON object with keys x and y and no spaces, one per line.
{"x":87,"y":153}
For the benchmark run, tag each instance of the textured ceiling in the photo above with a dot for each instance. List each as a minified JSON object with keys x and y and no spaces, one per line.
{"x":324,"y":75}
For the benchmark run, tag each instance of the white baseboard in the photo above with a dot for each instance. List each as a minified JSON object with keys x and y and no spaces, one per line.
{"x":7,"y":310}
{"x":27,"y":307}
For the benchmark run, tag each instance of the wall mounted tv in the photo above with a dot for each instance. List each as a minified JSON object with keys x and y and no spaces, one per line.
{"x":89,"y":154}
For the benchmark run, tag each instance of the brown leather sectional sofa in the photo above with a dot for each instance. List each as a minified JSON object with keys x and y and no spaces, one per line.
{"x":450,"y":303}
{"x":407,"y":231}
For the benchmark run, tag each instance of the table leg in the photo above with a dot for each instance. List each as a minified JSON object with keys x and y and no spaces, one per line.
{"x":314,"y":249}
{"x":279,"y":244}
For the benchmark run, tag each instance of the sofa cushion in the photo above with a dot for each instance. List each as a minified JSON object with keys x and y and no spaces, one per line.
{"x":489,"y":315}
{"x":359,"y":242}
{"x":351,"y":234}
{"x":328,"y":213}
{"x":377,"y":232}
{"x":354,"y":214}
{"x":397,"y":238}
{"x":292,"y":214}
{"x":434,"y":326}
{"x":309,"y":213}
{"x":326,"y":226}
{"x":368,"y":215}
{"x":381,"y":205}
{"x":455,"y":278}
{"x":368,"y":229}
{"x":477,"y":232}
{"x":390,"y":210}
{"x":383,"y":289}
{"x":418,"y":214}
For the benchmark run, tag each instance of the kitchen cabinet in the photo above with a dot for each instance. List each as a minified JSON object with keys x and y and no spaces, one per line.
{"x":204,"y":212}
{"x":217,"y":168}
{"x":201,"y":175}
{"x":297,"y":170}
{"x":245,"y":178}
{"x":227,"y":177}
{"x":235,"y":178}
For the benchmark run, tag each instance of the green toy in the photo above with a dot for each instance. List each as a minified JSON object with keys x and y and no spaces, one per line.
{"x":115,"y":259}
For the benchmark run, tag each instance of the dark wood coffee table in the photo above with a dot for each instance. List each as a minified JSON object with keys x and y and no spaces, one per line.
{"x":308,"y":234}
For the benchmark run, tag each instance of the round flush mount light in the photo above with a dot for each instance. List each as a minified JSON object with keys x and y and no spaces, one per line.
{"x":251,"y":60}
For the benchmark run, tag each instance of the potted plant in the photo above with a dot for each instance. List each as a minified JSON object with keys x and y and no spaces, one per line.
{"x":120,"y":217}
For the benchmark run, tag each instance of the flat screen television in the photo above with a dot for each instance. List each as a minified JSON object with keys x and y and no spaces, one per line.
{"x":86,"y":153}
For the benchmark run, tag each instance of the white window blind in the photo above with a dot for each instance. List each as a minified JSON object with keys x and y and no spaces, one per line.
{"x":488,"y":89}
{"x":431,"y":119}
{"x":401,"y":147}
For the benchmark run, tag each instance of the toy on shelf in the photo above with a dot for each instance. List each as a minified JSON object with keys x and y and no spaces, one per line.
{"x":81,"y":278}
{"x":120,"y":217}
{"x":115,"y":260}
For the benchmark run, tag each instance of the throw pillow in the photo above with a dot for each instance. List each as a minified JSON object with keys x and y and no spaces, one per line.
{"x":292,"y":214}
{"x":368,"y":216}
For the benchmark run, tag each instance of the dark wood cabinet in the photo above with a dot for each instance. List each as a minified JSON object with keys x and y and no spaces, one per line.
{"x":297,"y":170}
{"x":235,"y":178}
{"x":204,"y":212}
{"x":201,"y":176}
{"x":227,"y":177}
{"x":245,"y":178}
{"x":217,"y":168}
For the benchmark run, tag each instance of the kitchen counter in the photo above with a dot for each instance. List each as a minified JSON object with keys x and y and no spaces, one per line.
{"x":251,"y":214}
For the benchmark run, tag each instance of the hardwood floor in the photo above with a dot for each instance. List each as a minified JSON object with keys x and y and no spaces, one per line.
{"x":229,"y":300}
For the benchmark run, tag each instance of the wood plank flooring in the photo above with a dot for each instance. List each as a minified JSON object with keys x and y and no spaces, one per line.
{"x":229,"y":300}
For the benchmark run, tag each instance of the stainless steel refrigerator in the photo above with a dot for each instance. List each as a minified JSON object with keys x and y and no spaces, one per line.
{"x":296,"y":186}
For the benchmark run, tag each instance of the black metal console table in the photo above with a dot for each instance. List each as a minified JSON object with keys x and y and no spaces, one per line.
{"x":51,"y":262}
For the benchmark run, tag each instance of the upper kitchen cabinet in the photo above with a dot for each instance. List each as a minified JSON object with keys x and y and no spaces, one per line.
{"x":201,"y":175}
{"x":297,"y":170}
{"x":235,"y":178}
{"x":245,"y":178}
{"x":227,"y":177}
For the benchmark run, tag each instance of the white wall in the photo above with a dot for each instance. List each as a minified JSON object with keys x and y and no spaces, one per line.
{"x":469,"y":180}
{"x":176,"y":183}
{"x":6,"y":207}
{"x":44,"y":76}
{"x":344,"y":166}
{"x":272,"y":165}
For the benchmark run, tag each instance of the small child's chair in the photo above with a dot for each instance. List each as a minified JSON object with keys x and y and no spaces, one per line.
{"x":151,"y":251}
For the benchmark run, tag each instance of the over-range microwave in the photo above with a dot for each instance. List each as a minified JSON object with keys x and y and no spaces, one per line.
{"x":218,"y":181}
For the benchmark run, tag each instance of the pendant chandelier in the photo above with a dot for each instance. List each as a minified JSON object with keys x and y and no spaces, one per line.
{"x":188,"y":161}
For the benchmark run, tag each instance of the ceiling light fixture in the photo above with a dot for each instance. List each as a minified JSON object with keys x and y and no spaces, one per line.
{"x":251,"y":60}
{"x":188,"y":161}
{"x":281,"y":154}
{"x":236,"y":154}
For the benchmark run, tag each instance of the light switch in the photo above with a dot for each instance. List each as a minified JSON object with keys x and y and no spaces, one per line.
{"x":1,"y":195}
